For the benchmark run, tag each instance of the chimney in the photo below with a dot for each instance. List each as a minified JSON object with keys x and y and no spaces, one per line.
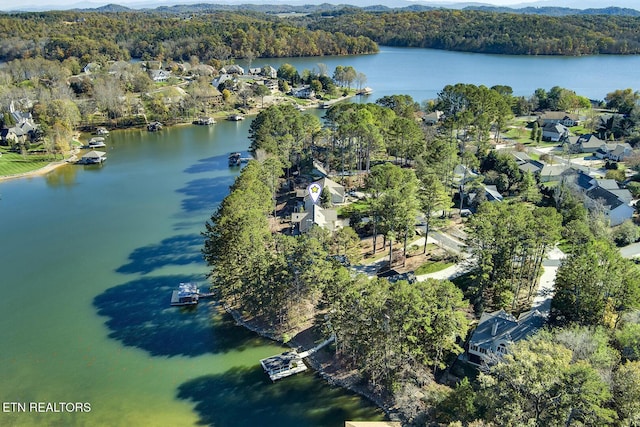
{"x":494,"y":328}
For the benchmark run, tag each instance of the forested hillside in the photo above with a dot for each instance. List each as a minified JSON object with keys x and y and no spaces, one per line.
{"x":503,"y":33}
{"x":223,"y":35}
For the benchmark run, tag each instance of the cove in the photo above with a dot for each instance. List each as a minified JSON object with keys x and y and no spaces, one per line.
{"x":91,"y":255}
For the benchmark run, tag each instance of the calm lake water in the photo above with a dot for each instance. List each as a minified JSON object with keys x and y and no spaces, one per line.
{"x":91,"y":254}
{"x":422,"y":73}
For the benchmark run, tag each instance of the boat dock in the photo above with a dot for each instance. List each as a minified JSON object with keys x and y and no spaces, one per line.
{"x":289,"y":362}
{"x":188,"y":294}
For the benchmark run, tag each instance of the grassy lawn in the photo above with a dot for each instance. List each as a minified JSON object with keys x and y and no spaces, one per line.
{"x":15,"y":163}
{"x":361,"y":206}
{"x":432,"y":267}
{"x":519,"y":135}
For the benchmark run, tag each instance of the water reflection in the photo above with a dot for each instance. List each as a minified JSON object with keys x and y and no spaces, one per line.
{"x":204,"y":194}
{"x":176,"y":250}
{"x":246,"y":397}
{"x":139,"y":315}
{"x":64,"y":176}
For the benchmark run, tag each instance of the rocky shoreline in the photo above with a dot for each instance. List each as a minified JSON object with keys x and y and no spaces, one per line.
{"x":322,"y":362}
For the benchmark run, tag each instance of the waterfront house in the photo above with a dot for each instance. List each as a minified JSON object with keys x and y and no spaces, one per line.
{"x":303,"y":92}
{"x":497,"y":330}
{"x":308,"y":213}
{"x":269,"y":71}
{"x":232,"y":69}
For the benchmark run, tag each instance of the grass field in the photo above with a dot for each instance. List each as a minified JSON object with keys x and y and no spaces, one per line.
{"x":432,"y":267}
{"x":15,"y":163}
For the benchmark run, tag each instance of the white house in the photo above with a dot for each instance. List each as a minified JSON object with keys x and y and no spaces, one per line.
{"x":159,"y":75}
{"x":310,"y":213}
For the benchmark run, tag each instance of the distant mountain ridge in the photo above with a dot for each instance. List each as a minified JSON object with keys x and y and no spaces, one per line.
{"x":313,"y":8}
{"x":558,"y":11}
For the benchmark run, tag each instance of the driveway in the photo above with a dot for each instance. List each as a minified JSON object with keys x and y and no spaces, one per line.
{"x":546,"y":287}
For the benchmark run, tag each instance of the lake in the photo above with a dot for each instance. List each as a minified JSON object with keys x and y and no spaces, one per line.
{"x":422,"y":73}
{"x":92,"y":253}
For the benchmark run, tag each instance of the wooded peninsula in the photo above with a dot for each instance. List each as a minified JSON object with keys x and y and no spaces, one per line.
{"x":214,"y":35}
{"x":551,"y":303}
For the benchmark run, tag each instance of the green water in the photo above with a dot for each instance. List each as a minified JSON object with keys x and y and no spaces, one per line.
{"x":89,"y":257}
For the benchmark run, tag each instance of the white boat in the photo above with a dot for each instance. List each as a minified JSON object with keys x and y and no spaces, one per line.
{"x":96,"y":142}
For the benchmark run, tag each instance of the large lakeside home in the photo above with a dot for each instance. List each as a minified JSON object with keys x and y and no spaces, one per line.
{"x":496,"y":331}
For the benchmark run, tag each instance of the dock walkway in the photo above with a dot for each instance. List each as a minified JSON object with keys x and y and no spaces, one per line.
{"x":289,"y":362}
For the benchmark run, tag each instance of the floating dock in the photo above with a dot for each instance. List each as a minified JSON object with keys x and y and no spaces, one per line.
{"x":289,"y":362}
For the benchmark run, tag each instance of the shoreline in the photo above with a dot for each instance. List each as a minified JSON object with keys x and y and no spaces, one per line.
{"x":323,"y":366}
{"x":38,"y":172}
{"x":253,"y":112}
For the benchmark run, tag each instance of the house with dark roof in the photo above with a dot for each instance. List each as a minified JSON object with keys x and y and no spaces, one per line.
{"x":614,"y":207}
{"x":603,"y":194}
{"x":499,"y":329}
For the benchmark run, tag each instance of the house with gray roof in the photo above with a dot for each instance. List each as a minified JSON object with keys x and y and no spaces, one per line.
{"x":491,"y":194}
{"x":232,"y":69}
{"x":616,"y":152}
{"x":24,"y":129}
{"x":588,"y":144}
{"x":561,"y":117}
{"x":550,"y":173}
{"x":554,"y":132}
{"x":532,"y":166}
{"x":308,"y":213}
{"x":499,"y":329}
{"x":603,"y":194}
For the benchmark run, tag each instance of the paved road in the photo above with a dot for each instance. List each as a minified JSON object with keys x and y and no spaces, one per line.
{"x":447,"y":242}
{"x":631,"y":251}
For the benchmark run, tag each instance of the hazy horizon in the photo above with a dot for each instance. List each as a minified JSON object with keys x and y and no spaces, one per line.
{"x":66,"y":4}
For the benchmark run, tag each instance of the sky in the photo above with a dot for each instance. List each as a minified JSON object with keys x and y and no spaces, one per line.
{"x":67,"y":4}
